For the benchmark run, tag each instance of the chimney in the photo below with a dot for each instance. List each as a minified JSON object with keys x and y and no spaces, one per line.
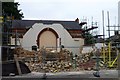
{"x":77,"y":20}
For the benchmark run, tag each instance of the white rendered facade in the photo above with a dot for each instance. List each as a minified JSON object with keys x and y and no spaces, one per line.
{"x":72,"y":44}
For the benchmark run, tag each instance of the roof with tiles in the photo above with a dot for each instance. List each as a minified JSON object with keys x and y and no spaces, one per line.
{"x":30,"y":23}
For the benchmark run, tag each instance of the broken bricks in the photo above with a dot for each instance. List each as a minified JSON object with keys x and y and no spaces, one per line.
{"x":53,"y":61}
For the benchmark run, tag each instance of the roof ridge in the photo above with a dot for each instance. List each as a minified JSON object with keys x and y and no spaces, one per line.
{"x":47,"y":20}
{"x":66,"y":24}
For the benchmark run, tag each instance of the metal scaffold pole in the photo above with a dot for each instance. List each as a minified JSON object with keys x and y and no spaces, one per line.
{"x":109,"y":44}
{"x":109,"y":48}
{"x":15,"y":38}
{"x":103,"y":37}
{"x":108,"y":25}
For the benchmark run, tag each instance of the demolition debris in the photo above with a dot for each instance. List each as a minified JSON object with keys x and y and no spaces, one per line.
{"x":52,"y":61}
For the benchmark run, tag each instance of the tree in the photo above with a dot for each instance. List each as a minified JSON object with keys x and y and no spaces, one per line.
{"x":11,"y":9}
{"x":9,"y":12}
{"x":89,"y":39}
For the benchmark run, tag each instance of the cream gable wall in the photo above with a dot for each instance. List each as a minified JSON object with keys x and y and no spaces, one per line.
{"x":29,"y":39}
{"x":19,"y":41}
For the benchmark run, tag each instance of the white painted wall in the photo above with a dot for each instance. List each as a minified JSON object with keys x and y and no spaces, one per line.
{"x":29,"y":39}
{"x":19,"y":41}
{"x":100,"y":45}
{"x":87,"y":49}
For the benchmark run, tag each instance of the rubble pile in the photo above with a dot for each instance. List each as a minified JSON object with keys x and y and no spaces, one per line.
{"x":26,"y":55}
{"x":50,"y":66}
{"x":86,"y":61}
{"x":52,"y":61}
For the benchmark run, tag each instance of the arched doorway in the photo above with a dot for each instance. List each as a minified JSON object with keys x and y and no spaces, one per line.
{"x":47,"y":38}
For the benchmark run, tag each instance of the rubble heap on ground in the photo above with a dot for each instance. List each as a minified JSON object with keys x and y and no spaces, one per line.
{"x":52,"y":61}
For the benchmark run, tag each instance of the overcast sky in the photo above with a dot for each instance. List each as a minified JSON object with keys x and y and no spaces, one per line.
{"x":70,"y":10}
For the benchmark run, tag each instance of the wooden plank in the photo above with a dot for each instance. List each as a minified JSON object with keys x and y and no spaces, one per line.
{"x":17,"y":64}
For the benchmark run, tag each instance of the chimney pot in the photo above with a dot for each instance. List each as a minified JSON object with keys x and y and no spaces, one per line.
{"x":77,"y":20}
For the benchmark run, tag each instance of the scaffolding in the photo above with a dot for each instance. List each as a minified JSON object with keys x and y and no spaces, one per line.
{"x":110,"y":52}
